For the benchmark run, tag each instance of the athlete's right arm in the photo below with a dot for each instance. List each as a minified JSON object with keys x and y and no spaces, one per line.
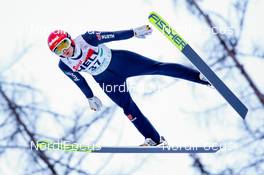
{"x":95,"y":37}
{"x":77,"y":78}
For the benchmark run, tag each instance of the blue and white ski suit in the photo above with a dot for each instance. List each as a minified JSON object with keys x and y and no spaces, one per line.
{"x":113,"y":67}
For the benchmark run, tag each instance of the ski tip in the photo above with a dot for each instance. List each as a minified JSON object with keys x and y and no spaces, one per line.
{"x":151,"y":14}
{"x":244,"y":113}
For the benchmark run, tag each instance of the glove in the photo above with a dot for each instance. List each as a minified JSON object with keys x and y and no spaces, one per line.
{"x":141,"y":32}
{"x":95,"y":103}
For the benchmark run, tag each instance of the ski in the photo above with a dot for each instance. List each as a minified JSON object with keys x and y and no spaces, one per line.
{"x":156,"y":149}
{"x":186,"y":49}
{"x":70,"y":147}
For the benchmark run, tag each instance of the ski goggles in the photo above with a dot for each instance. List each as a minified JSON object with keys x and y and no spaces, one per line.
{"x":64,"y":44}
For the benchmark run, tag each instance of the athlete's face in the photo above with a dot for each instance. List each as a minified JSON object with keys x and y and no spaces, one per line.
{"x":68,"y":52}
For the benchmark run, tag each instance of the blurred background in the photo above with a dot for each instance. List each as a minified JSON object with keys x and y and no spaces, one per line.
{"x":37,"y":101}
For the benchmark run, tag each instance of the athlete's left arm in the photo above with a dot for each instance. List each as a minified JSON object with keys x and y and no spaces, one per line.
{"x":95,"y":37}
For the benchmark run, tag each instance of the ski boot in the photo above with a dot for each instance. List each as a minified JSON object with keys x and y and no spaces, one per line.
{"x":150,"y":142}
{"x":203,"y":78}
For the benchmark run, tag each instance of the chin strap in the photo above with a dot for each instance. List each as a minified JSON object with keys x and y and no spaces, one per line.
{"x":72,"y":42}
{"x":73,"y":49}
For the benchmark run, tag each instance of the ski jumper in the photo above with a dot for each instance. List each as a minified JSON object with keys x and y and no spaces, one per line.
{"x":112,"y":68}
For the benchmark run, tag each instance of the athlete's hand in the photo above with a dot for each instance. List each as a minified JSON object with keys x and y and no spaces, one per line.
{"x":95,"y":103}
{"x":141,"y":32}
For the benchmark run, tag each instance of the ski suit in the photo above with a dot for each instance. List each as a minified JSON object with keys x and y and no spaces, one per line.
{"x":112,"y":67}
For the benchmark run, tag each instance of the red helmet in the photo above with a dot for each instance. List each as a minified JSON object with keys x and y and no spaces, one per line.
{"x":56,"y":37}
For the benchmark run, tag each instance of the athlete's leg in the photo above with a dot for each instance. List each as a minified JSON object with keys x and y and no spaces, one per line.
{"x":130,"y":64}
{"x":116,"y":89}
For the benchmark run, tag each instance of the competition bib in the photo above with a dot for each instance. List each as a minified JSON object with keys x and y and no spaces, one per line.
{"x":91,"y":59}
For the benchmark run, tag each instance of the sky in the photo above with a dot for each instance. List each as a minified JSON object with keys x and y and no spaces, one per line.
{"x":26,"y":24}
